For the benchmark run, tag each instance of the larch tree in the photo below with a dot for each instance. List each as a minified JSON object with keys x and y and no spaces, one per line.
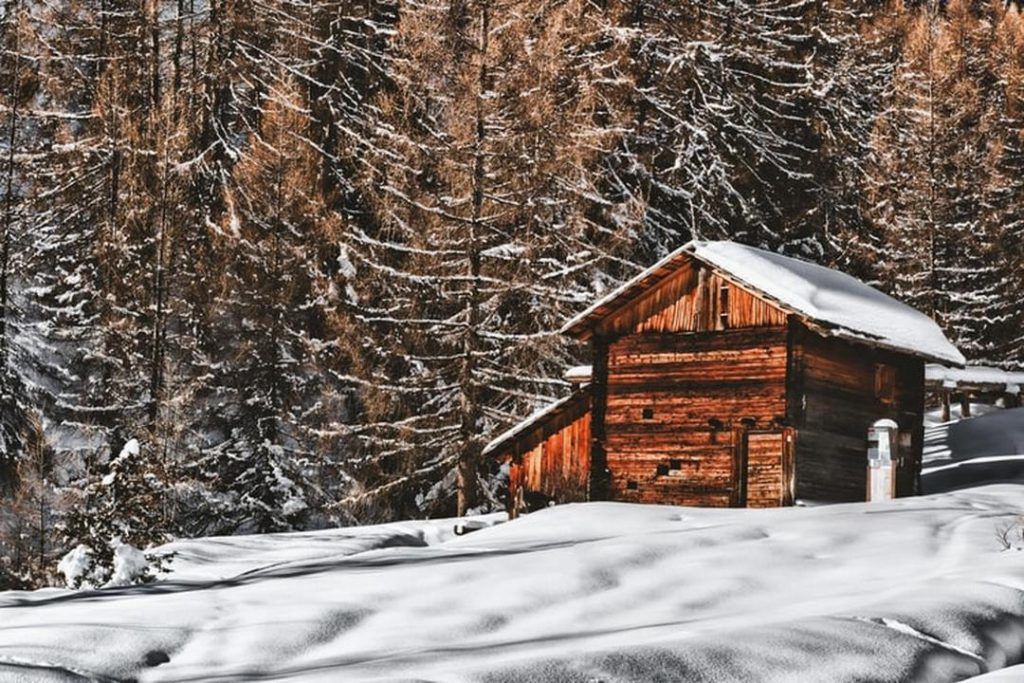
{"x":273,"y":297}
{"x":487,"y":233}
{"x":18,"y":73}
{"x":902,"y":194}
{"x":1005,"y":210}
{"x":929,"y":201}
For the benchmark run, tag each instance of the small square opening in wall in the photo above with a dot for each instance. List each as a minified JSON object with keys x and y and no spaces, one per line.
{"x":648,"y":413}
{"x":675,"y":464}
{"x":632,"y":485}
{"x":662,"y":470}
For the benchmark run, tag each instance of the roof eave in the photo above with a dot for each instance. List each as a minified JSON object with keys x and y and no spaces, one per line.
{"x":853,"y":337}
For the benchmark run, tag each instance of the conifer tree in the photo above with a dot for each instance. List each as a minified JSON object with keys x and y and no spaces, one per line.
{"x":272,"y":296}
{"x":1005,"y":212}
{"x":116,"y":514}
{"x":712,"y":105}
{"x":21,"y":83}
{"x":29,"y":515}
{"x":488,"y":233}
{"x":930,"y":201}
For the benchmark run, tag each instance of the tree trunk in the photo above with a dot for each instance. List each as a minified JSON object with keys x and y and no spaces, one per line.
{"x":8,"y":218}
{"x":159,"y":332}
{"x":469,"y":457}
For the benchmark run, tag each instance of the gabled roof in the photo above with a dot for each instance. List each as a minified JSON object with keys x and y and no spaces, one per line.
{"x":829,"y":301}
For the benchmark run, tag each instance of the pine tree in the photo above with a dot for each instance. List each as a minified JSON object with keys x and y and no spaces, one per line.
{"x":17,"y":73}
{"x":271,"y":396}
{"x":930,"y":199}
{"x":117,"y":512}
{"x":714,"y":88}
{"x":488,"y":231}
{"x":849,"y":47}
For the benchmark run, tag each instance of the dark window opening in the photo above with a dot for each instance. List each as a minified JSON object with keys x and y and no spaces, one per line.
{"x":675,"y":464}
{"x":749,"y":422}
{"x":885,"y":383}
{"x":648,"y":413}
{"x":662,"y":470}
{"x":715,"y":425}
{"x":632,"y":485}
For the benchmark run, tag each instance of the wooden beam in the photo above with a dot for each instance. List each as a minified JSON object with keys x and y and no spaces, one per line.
{"x":600,"y":477}
{"x":965,"y":404}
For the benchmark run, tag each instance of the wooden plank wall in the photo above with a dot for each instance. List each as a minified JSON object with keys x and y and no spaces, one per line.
{"x":687,"y":382}
{"x":833,"y":403}
{"x":692,"y":299}
{"x":766,"y":470}
{"x":713,"y":303}
{"x":555,"y":470}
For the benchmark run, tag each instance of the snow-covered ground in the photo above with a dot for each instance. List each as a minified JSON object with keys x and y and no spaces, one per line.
{"x":985,"y":449}
{"x":917,"y":589}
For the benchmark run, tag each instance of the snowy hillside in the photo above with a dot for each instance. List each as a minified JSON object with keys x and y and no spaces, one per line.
{"x":916,"y":589}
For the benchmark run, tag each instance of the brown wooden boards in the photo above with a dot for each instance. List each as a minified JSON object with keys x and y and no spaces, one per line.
{"x":673,"y":401}
{"x":711,"y":303}
{"x":835,"y":398}
{"x":765,"y":476}
{"x":556,"y":470}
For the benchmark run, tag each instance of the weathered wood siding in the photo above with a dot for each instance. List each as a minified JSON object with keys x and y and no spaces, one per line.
{"x":708,"y":302}
{"x":834,"y":400}
{"x":694,"y":298}
{"x":765,"y":469}
{"x":557,"y":468}
{"x":674,"y":405}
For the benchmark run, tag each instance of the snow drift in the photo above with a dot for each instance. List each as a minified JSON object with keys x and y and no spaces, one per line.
{"x":913,"y":589}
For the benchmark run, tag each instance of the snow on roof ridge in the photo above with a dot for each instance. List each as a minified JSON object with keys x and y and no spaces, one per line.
{"x":851,"y":308}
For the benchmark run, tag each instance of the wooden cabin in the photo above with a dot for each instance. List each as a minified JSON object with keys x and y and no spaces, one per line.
{"x":725,"y":375}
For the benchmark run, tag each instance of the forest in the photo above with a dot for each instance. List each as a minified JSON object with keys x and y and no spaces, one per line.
{"x":270,"y":265}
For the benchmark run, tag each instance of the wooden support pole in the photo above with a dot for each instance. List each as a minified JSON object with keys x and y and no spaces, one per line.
{"x":947,"y":413}
{"x":600,"y":476}
{"x":965,"y":405}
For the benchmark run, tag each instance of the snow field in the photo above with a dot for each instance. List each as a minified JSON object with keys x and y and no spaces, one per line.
{"x":914,"y":589}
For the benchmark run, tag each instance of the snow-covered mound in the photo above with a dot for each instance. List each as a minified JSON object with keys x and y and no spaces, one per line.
{"x":980,"y":450}
{"x":914,"y":589}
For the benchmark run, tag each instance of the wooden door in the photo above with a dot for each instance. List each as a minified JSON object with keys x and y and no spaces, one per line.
{"x":767,"y":469}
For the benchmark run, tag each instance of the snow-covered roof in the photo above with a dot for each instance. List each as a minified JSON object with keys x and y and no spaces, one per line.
{"x":535,"y":420}
{"x":840,"y":305}
{"x":973,"y":375}
{"x":578,"y":374}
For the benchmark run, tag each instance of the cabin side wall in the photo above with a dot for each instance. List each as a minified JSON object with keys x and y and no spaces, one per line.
{"x":556,"y":470}
{"x":837,"y":391}
{"x":677,"y":405}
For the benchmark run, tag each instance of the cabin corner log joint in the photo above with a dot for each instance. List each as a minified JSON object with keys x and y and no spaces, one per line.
{"x":729,"y":376}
